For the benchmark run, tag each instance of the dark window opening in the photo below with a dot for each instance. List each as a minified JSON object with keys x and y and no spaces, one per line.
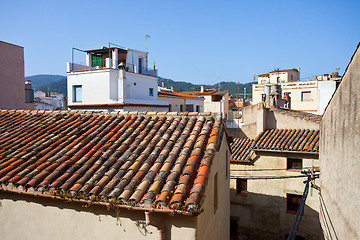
{"x":216,"y":98}
{"x":151,"y":92}
{"x":241,"y":186}
{"x":293,"y":202}
{"x":181,"y":108}
{"x":297,"y":237}
{"x":233,"y":227}
{"x":189,"y":107}
{"x":294,"y":164}
{"x":197,"y":108}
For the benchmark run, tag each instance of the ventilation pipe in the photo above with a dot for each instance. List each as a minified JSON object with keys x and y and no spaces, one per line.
{"x":153,"y":222}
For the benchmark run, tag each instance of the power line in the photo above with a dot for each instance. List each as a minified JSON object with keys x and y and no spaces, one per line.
{"x":266,"y":177}
{"x":269,"y":169}
{"x":295,"y":227}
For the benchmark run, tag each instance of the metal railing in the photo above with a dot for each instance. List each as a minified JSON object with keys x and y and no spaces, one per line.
{"x":99,"y":65}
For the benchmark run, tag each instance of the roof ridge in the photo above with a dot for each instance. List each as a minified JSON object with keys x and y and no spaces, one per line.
{"x":105,"y":113}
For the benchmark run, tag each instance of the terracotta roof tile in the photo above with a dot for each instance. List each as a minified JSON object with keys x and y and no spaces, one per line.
{"x":136,"y":159}
{"x":292,"y":140}
{"x":300,"y":114}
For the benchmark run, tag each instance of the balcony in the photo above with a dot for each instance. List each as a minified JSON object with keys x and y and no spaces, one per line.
{"x":105,"y":64}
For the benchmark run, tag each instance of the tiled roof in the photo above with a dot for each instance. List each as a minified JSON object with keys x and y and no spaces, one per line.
{"x":284,"y":70}
{"x":281,"y":140}
{"x":264,"y":75}
{"x":300,"y":114}
{"x":241,"y":149}
{"x":199,"y":93}
{"x":302,"y":140}
{"x":143,"y":161}
{"x":176,"y":94}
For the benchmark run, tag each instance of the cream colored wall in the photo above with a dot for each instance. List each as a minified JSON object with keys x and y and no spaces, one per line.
{"x":263,"y":211}
{"x":24,"y":217}
{"x":295,"y":88}
{"x":174,"y":101}
{"x":212,"y":224}
{"x":339,"y":155}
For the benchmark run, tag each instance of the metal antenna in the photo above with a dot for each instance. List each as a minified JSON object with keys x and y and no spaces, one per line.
{"x":147,"y":37}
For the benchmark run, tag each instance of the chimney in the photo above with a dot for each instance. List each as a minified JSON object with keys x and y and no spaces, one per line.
{"x":298,"y":69}
{"x":172,"y":88}
{"x":202,"y":88}
{"x":162,"y":84}
{"x":261,"y":118}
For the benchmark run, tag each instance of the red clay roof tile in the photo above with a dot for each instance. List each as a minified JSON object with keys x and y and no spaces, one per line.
{"x":144,"y":160}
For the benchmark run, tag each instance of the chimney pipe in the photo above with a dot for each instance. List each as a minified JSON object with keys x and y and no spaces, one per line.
{"x":202,"y":88}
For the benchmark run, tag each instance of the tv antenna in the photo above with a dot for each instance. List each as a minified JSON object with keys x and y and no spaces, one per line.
{"x":147,"y":37}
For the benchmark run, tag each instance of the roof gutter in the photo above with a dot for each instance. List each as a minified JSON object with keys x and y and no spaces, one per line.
{"x":106,"y":204}
{"x":283,"y":151}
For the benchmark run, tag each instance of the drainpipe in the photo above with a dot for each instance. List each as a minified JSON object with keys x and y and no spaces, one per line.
{"x":153,"y":222}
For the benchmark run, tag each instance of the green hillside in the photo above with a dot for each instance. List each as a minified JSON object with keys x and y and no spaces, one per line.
{"x":234,"y":88}
{"x":43,"y":79}
{"x":58,"y":83}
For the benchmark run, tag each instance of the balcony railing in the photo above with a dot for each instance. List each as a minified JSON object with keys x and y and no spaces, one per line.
{"x":105,"y":64}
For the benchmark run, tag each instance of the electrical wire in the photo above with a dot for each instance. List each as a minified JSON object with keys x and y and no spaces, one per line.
{"x":266,"y":177}
{"x":270,"y":169}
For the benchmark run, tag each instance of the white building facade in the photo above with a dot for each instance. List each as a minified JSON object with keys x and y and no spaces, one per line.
{"x":114,"y":79}
{"x":287,"y":91}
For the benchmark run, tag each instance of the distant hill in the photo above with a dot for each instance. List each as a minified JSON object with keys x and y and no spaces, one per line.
{"x":58,"y":86}
{"x":42,"y":79}
{"x":234,"y":88}
{"x":58,"y":83}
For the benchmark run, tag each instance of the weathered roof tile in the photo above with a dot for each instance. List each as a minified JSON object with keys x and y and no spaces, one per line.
{"x":131,"y":158}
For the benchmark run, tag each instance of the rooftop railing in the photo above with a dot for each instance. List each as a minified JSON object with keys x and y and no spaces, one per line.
{"x":104,"y":63}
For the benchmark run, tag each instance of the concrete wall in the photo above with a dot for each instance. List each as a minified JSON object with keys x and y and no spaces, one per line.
{"x":214,"y":223}
{"x":24,"y":217}
{"x":264,"y":118}
{"x":262,"y":213}
{"x":12,"y":77}
{"x":339,"y":157}
{"x":95,"y":86}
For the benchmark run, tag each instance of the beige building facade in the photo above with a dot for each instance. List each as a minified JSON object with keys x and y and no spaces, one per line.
{"x":267,"y":185}
{"x":339,"y":158}
{"x":262,"y":212}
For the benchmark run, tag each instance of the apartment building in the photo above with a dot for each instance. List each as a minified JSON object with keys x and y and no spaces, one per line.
{"x":114,"y":79}
{"x":283,"y":88}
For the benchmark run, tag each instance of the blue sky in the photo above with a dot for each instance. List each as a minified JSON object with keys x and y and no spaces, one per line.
{"x":194,"y":41}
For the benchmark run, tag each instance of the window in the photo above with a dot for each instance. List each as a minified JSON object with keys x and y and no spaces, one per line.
{"x":294,"y":164}
{"x":141,"y":65}
{"x":293,"y":202}
{"x":77,"y":93}
{"x":151,"y":92}
{"x":233,"y":227}
{"x":189,"y":107}
{"x":197,"y":108}
{"x":306,"y":96}
{"x":227,"y":163}
{"x":215,"y":192}
{"x":241,"y":186}
{"x":181,"y":108}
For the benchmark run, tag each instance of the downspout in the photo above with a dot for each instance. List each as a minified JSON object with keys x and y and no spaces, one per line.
{"x":153,"y":222}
